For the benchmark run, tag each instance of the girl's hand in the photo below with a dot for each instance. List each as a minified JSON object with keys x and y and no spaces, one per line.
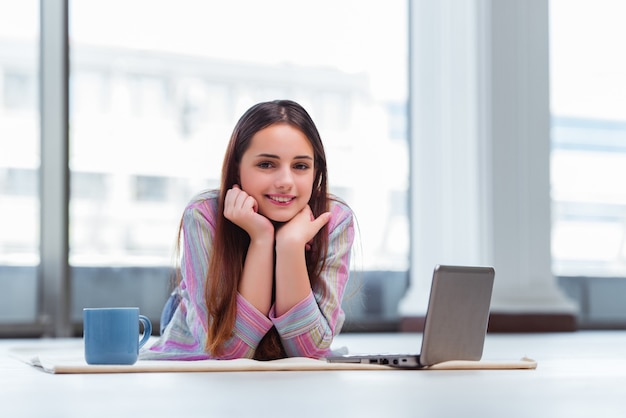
{"x":241,"y":209}
{"x":301,"y":229}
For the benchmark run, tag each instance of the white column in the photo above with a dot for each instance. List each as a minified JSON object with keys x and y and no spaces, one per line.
{"x":480,"y":127}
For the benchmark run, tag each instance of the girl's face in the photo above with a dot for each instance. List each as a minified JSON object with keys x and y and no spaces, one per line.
{"x":278,"y":170}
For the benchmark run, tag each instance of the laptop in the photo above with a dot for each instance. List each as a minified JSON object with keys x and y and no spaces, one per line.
{"x":456,"y":320}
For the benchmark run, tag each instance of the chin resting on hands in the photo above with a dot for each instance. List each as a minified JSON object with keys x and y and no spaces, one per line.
{"x":301,"y":229}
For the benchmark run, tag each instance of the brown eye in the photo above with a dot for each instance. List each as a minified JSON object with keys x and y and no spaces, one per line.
{"x":301,"y":166}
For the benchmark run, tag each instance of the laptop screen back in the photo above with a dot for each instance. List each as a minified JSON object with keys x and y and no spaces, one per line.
{"x":458,"y":314}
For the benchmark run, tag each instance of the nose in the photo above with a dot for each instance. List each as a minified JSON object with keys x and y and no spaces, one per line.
{"x":284,"y":179}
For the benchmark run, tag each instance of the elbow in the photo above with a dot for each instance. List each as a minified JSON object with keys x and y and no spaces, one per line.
{"x":308,"y":346}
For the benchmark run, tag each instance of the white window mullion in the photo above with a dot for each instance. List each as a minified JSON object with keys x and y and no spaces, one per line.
{"x":54,"y":171}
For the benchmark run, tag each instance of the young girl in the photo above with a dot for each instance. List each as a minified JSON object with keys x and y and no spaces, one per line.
{"x":265,"y":259}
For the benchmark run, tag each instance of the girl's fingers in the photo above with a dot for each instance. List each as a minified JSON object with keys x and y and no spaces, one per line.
{"x":233,"y":201}
{"x":238,"y":205}
{"x":322,"y":220}
{"x":308,"y":225}
{"x":236,"y":198}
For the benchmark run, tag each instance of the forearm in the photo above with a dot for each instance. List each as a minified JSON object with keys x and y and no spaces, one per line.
{"x":255,"y":284}
{"x":292,"y":278}
{"x":309,"y":327}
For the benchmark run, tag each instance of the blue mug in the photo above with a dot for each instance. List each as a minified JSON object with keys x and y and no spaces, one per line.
{"x":111,"y":335}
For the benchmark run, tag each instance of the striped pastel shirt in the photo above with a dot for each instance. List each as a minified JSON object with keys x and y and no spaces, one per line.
{"x":306,"y":330}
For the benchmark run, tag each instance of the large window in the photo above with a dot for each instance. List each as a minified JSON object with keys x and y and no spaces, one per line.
{"x":19,"y":161}
{"x":588,"y":96}
{"x":154,"y":94}
{"x":151,"y":111}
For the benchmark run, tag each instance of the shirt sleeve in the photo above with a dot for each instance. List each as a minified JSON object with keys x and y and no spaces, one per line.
{"x":308,"y":329}
{"x":185,"y":335}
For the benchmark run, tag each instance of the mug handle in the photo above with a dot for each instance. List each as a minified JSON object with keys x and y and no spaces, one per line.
{"x":147,"y":329}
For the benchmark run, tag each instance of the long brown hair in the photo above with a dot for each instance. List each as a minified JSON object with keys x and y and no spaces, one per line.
{"x":230,"y":244}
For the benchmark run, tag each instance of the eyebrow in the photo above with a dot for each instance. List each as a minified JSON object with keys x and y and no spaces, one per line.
{"x":297,"y":157}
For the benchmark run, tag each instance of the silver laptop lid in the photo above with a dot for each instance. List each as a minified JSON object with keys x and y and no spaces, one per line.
{"x":458,"y":314}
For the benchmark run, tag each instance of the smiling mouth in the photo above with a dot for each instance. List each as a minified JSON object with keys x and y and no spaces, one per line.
{"x":281,"y":199}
